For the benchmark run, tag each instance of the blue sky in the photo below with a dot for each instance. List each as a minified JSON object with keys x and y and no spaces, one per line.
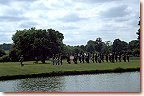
{"x":78,"y":20}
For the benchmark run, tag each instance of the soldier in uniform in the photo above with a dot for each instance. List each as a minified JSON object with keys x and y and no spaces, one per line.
{"x":116,"y":56}
{"x":80,"y":57}
{"x":21,"y":60}
{"x":88,"y":58}
{"x":112,"y":57}
{"x":102,"y":57}
{"x":99,"y":58}
{"x":96,"y":57}
{"x":127,"y":55}
{"x":119,"y":57}
{"x":75,"y":58}
{"x":68,"y":59}
{"x":83,"y":57}
{"x":124,"y":57}
{"x":57,"y":59}
{"x":93,"y":57}
{"x":106,"y":57}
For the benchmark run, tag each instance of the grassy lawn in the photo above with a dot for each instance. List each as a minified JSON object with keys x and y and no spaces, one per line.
{"x":14,"y":68}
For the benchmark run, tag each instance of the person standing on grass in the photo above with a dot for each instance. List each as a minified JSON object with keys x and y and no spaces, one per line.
{"x":110,"y":57}
{"x":75,"y":58}
{"x":124,"y":57}
{"x":127,"y":56}
{"x":106,"y":57}
{"x":80,"y":57}
{"x":83,"y":57}
{"x":68,"y":59}
{"x":93,"y":57}
{"x":99,"y":58}
{"x":119,"y":56}
{"x":57,"y":59}
{"x":115,"y":55}
{"x":96,"y":57}
{"x":113,"y":60}
{"x":102,"y":57}
{"x":21,"y":60}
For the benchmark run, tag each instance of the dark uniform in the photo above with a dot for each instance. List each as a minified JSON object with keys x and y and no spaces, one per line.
{"x":83,"y":57}
{"x":87,"y":58}
{"x":75,"y":59}
{"x":96,"y":58}
{"x":119,"y":57}
{"x":99,"y":58}
{"x":107,"y":57}
{"x":112,"y":57}
{"x":127,"y":57}
{"x":21,"y":60}
{"x":102,"y":57}
{"x":68,"y":59}
{"x":93,"y":58}
{"x":116,"y":57}
{"x":124,"y":57}
{"x":80,"y":57}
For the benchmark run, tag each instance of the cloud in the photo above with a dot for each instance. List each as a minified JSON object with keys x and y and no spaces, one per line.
{"x":94,"y":1}
{"x":12,"y":18}
{"x":72,"y":17}
{"x":28,"y":24}
{"x":7,"y":2}
{"x":116,"y":11}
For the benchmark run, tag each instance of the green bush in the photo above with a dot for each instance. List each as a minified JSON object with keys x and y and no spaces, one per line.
{"x":5,"y":58}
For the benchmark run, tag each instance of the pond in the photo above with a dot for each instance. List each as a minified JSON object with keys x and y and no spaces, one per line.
{"x":109,"y":82}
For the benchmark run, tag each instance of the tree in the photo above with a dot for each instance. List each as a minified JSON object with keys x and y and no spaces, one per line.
{"x":138,"y":33}
{"x":90,"y":47}
{"x":119,"y":46}
{"x":106,"y":47}
{"x":38,"y":43}
{"x":2,"y":52}
{"x":98,"y":44}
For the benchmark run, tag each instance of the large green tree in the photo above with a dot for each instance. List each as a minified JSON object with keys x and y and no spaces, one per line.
{"x":119,"y":46}
{"x":38,"y":43}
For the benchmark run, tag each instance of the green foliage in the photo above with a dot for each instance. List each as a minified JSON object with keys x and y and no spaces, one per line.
{"x":14,"y":54}
{"x":138,"y":33}
{"x":119,"y":46}
{"x":5,"y":46}
{"x":2,"y":52}
{"x":38,"y":43}
{"x":4,"y":58}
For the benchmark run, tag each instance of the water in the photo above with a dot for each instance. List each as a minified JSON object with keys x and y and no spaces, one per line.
{"x":110,"y":82}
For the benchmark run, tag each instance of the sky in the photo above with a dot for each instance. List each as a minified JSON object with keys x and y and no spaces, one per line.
{"x":78,"y":20}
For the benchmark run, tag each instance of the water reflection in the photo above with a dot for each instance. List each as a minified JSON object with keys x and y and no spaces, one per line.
{"x":111,"y":82}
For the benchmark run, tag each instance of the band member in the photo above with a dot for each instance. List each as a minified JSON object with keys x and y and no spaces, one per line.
{"x":21,"y":60}
{"x":75,"y":58}
{"x":96,"y":58}
{"x":127,"y":55}
{"x":106,"y":57}
{"x":83,"y":57}
{"x":93,"y":57}
{"x":68,"y":59}
{"x":80,"y":57}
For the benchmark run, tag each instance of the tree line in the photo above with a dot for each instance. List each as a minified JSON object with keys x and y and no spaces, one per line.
{"x":42,"y":43}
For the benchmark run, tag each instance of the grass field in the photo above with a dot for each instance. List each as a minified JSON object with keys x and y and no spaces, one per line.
{"x":9,"y":69}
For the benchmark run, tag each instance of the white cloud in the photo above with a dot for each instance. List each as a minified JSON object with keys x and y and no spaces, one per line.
{"x":78,"y":20}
